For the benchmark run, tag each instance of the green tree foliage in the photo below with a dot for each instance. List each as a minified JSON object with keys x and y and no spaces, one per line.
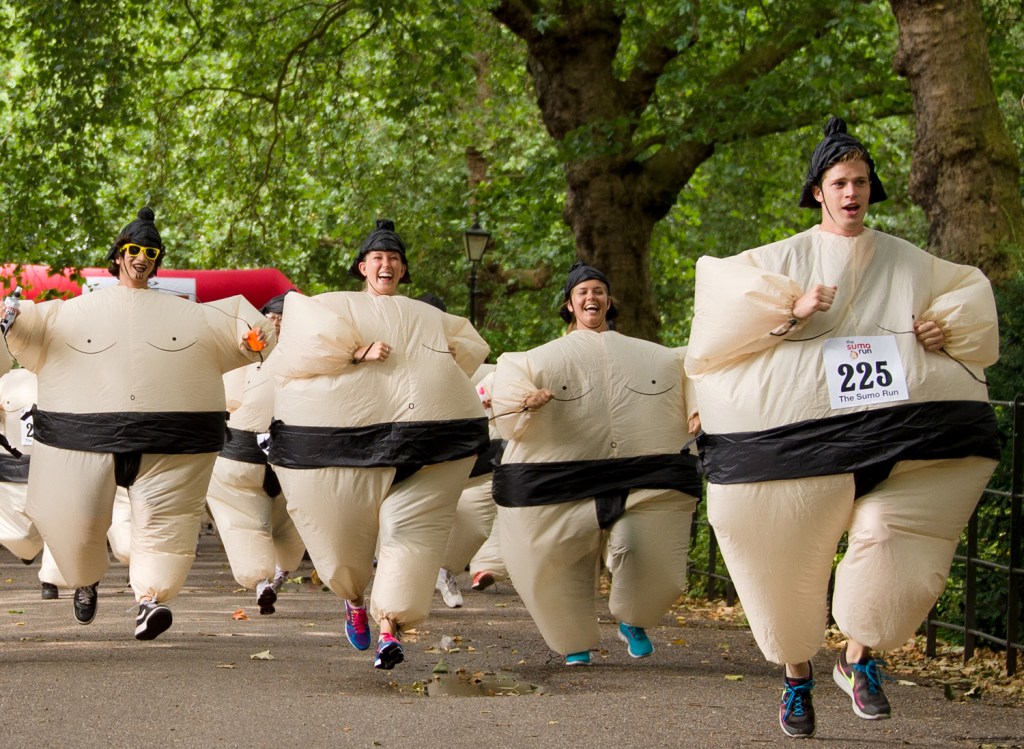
{"x":275,"y":132}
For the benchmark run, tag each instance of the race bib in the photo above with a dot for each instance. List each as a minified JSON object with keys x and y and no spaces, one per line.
{"x":26,"y":428}
{"x":864,"y":369}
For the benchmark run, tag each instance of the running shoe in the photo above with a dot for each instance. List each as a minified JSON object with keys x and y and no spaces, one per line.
{"x":581,"y":658}
{"x":153,"y":620}
{"x":389,"y":652}
{"x":637,"y":643}
{"x":862,"y":681}
{"x":357,"y":626}
{"x":85,"y":603}
{"x":482,"y":580}
{"x":266,"y":597}
{"x":796,"y":710}
{"x":448,"y":587}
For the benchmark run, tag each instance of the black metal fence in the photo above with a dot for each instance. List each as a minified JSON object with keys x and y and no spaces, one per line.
{"x":988,"y":563}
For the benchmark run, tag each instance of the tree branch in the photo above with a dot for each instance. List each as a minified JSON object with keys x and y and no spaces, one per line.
{"x":517,"y":15}
{"x":660,"y":50}
{"x":668,"y":169}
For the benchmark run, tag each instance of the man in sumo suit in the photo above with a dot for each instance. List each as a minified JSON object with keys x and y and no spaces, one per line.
{"x":840,"y":382}
{"x":130,"y":394}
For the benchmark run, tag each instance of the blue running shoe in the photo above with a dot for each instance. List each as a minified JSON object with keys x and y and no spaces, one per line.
{"x":389,"y":652}
{"x":637,"y":642}
{"x":581,"y":658}
{"x":357,"y":626}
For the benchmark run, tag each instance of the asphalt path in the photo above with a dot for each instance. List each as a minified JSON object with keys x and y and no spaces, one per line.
{"x":477,"y":676}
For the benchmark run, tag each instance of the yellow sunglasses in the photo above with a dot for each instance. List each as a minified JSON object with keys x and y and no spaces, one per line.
{"x":133,"y":250}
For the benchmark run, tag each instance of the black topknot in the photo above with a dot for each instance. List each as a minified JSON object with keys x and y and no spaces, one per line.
{"x":383,"y":237}
{"x":141,"y":231}
{"x":836,"y":144}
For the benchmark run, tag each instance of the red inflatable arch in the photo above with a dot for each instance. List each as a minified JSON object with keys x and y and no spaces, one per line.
{"x":256,"y":284}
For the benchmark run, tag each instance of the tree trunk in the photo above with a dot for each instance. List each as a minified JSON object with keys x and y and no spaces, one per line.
{"x":618,"y":186}
{"x":591,"y":111}
{"x":612,"y":227}
{"x":965,"y":173}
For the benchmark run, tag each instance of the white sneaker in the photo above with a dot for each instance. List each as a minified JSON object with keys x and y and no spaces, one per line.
{"x":448,"y":587}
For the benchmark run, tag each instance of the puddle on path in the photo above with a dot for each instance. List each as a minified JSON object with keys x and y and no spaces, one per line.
{"x":478,"y":684}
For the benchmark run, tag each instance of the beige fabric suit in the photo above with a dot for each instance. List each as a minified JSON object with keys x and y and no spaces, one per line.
{"x":340,"y":510}
{"x":257,"y":533}
{"x":18,"y":533}
{"x":779,"y":537}
{"x":615,"y":397}
{"x":474,"y":537}
{"x":127,"y":356}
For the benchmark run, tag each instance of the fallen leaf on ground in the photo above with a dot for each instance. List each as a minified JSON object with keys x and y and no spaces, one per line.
{"x":734,"y":677}
{"x":225,"y":665}
{"x":240,"y":615}
{"x":264,"y":656}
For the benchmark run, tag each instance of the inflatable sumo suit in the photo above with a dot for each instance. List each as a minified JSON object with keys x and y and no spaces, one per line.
{"x":472,"y":541}
{"x":17,"y":531}
{"x":379,"y":447}
{"x":788,"y":473}
{"x":130,"y":394}
{"x":597,"y":468}
{"x":245,"y":496}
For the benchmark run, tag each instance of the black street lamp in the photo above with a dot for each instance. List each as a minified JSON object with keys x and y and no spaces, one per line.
{"x":476,"y":240}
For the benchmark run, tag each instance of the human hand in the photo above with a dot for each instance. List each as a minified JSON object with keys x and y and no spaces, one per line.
{"x":929,"y":334}
{"x":694,"y":424}
{"x":376,"y":351}
{"x":255,"y":339}
{"x":540,"y":398}
{"x":818,"y":299}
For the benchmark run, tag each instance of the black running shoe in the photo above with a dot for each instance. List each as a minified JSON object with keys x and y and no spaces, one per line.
{"x":389,"y":652}
{"x":153,"y":620}
{"x":862,"y":681}
{"x":266,"y":597}
{"x":85,"y":603}
{"x":796,"y":710}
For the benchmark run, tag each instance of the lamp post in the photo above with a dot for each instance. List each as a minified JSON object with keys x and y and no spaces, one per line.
{"x":475,"y":240}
